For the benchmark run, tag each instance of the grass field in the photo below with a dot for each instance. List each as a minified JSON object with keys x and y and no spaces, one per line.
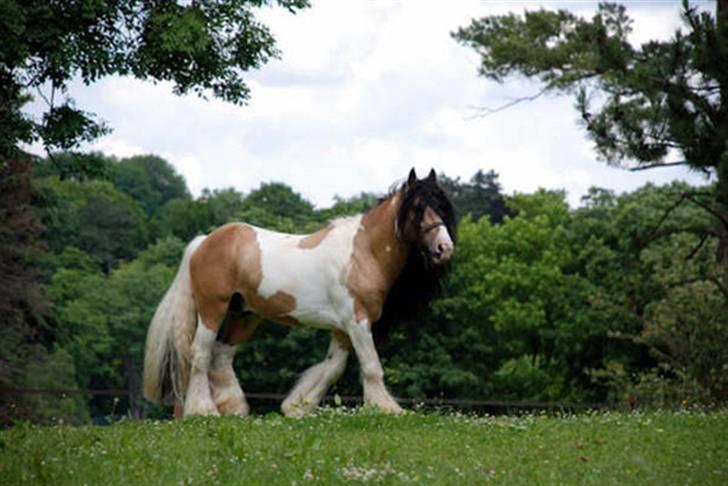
{"x":339,"y":446}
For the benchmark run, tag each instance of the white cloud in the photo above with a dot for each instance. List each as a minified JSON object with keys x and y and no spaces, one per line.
{"x":364,"y":91}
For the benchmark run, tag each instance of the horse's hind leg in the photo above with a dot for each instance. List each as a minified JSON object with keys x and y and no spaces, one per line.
{"x":314,"y":382}
{"x":227,"y":395}
{"x":226,"y":391}
{"x":197,"y":399}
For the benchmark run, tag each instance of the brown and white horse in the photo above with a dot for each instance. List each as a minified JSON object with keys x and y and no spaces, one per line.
{"x":350,"y":277}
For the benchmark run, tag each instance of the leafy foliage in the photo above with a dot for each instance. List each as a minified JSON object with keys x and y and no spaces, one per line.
{"x":22,"y":304}
{"x":92,"y":216}
{"x":659,"y":96}
{"x":150,"y":180}
{"x":55,"y":371}
{"x":544,"y":301}
{"x":641,"y":105}
{"x":203,"y":47}
{"x":479,"y":197}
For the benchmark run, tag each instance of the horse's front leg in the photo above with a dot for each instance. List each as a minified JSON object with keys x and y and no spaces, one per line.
{"x":312,"y":386}
{"x":372,"y":375}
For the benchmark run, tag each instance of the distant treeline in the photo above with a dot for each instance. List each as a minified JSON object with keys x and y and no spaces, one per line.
{"x":618,"y":300}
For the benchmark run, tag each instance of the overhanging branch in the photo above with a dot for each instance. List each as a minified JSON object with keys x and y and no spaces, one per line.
{"x":661,"y":164}
{"x":485,"y":111}
{"x":691,"y":197}
{"x":697,"y":248}
{"x":721,"y":286}
{"x":709,"y":208}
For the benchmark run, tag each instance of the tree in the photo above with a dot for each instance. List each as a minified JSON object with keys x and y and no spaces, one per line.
{"x":55,"y":371}
{"x":478,"y":197}
{"x":74,"y":166}
{"x":102,"y":319}
{"x":22,"y":303}
{"x":186,"y":218}
{"x":515,"y":320}
{"x":275,"y":205}
{"x":357,"y":204}
{"x":686,"y":330}
{"x":93,"y":216}
{"x":651,"y":289}
{"x":202,"y":46}
{"x":150,"y":180}
{"x":652,"y":101}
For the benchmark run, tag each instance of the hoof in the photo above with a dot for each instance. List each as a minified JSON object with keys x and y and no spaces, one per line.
{"x":389,"y":407}
{"x":297,"y":409}
{"x":233,"y":407}
{"x":200,"y":409}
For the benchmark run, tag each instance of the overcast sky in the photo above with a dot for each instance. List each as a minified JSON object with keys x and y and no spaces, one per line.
{"x":364,"y":91}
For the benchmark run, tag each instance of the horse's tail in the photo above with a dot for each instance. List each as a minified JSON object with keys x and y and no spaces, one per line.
{"x":169,"y":338}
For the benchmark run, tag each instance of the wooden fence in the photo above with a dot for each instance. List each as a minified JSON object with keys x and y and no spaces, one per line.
{"x":494,"y":406}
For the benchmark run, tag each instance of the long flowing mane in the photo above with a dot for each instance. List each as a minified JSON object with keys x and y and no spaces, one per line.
{"x":420,"y":281}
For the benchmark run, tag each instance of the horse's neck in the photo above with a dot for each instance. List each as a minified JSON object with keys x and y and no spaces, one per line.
{"x":382,"y":241}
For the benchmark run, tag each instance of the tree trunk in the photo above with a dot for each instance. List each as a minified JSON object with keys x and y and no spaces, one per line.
{"x":132,"y":389}
{"x":722,"y":166}
{"x":722,"y":11}
{"x":721,"y":200}
{"x":723,"y":256}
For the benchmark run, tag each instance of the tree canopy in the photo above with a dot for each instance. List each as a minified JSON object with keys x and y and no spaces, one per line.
{"x":659,"y":104}
{"x":203,"y":47}
{"x":610,"y":301}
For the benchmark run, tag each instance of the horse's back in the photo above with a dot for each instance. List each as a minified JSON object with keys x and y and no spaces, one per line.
{"x":285,"y":277}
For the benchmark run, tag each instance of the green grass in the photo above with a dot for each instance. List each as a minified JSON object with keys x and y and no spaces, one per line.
{"x":339,"y":446}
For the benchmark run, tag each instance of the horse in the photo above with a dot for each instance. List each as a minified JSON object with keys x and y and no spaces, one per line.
{"x":352,"y":277}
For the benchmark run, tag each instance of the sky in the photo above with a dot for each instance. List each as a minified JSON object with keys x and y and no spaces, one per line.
{"x":365,"y":90}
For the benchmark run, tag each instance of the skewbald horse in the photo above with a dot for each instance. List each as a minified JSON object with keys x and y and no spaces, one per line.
{"x":351,"y":277}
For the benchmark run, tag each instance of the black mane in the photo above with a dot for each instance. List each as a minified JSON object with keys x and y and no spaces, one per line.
{"x":420,"y":281}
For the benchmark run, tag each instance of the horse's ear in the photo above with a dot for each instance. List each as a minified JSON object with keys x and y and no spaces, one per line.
{"x":432,"y":177}
{"x":412,"y":178}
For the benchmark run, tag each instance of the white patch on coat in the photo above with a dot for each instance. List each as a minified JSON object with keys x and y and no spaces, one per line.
{"x":315,"y":277}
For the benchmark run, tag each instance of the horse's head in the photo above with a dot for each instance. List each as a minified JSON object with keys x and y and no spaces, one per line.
{"x":426,"y":217}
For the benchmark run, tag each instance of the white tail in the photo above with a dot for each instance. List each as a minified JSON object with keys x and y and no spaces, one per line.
{"x":170,"y":334}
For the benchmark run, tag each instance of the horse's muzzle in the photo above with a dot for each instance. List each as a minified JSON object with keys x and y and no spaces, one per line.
{"x":442,"y":252}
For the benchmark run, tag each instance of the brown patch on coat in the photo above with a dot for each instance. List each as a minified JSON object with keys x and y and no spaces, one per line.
{"x":215,"y":271}
{"x":342,"y":339}
{"x":239,"y":328}
{"x":228,"y":261}
{"x":314,"y":239}
{"x":377,"y":259}
{"x":277,"y":307}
